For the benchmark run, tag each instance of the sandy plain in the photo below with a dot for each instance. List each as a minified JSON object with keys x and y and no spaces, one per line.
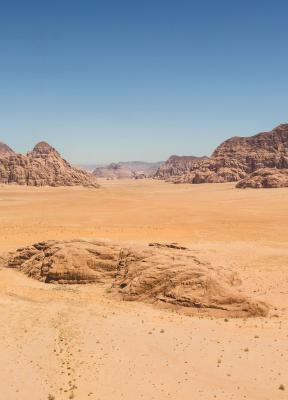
{"x":64,"y":342}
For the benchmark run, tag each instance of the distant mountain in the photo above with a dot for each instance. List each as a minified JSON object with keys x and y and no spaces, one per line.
{"x":234,"y":159}
{"x":88,"y":167}
{"x":43,"y":166}
{"x":127,"y":170}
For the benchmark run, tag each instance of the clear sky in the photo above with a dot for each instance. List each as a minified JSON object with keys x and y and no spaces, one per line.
{"x":140,"y":80}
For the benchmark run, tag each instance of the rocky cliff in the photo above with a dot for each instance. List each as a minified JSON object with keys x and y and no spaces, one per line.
{"x":43,"y":166}
{"x":236,"y":158}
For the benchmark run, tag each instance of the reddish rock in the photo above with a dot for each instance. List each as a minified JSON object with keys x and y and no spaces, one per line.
{"x":265,"y":178}
{"x":43,"y":166}
{"x":177,"y":166}
{"x":233,"y":160}
{"x":5,"y":150}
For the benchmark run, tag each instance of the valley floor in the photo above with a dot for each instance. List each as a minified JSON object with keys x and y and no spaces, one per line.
{"x":64,"y":342}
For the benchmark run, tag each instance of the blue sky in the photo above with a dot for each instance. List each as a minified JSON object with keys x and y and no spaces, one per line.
{"x":128,"y":80}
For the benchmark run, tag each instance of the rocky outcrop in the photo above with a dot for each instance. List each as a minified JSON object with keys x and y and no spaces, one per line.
{"x":5,"y":151}
{"x":210,"y":171}
{"x":265,"y":178}
{"x":161,"y":274}
{"x":177,"y":166}
{"x":127,"y":170}
{"x":74,"y":261}
{"x":236,"y":158}
{"x":43,"y":166}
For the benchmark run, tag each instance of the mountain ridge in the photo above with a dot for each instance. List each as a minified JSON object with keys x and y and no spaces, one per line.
{"x":43,"y":166}
{"x":234,"y":159}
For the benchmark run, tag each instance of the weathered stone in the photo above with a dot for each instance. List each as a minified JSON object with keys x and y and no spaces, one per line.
{"x":43,"y":166}
{"x":5,"y":150}
{"x":233,"y":160}
{"x":265,"y":178}
{"x":177,"y":166}
{"x":159,"y":273}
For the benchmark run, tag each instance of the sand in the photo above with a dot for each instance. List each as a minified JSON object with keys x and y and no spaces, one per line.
{"x":61,"y":342}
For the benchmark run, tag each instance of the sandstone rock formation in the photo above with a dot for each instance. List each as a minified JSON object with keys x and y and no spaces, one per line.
{"x":40,"y":167}
{"x":235,"y":158}
{"x":5,"y":150}
{"x":265,"y":178}
{"x":162,"y":274}
{"x":177,"y":166}
{"x":74,"y":261}
{"x":127,"y":170}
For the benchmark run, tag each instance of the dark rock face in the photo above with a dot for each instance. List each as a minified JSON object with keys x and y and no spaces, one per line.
{"x":235,"y":158}
{"x":43,"y":166}
{"x":162,"y":274}
{"x":265,"y":178}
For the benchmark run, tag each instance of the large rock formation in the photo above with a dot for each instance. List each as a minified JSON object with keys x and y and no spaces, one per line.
{"x":162,"y":274}
{"x":127,"y":170}
{"x":265,"y":178}
{"x":237,"y":157}
{"x":40,"y":167}
{"x":177,"y":166}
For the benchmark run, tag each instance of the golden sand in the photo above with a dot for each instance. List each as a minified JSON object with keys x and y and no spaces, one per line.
{"x":66,"y":342}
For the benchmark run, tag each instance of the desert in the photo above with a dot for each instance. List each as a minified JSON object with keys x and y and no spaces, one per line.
{"x":85,"y":341}
{"x":143,"y":200}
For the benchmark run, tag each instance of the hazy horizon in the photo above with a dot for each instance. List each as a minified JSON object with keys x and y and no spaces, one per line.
{"x":109,"y":81}
{"x":99,"y":162}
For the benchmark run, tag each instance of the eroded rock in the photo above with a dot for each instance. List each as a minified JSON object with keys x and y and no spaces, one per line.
{"x":265,"y":178}
{"x":161,"y":274}
{"x":232,"y":161}
{"x":5,"y":150}
{"x":43,"y":166}
{"x":177,"y":166}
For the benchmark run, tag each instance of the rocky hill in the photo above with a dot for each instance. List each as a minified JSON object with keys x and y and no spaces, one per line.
{"x":236,"y":158}
{"x":127,"y":170}
{"x":43,"y":166}
{"x":159,"y":273}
